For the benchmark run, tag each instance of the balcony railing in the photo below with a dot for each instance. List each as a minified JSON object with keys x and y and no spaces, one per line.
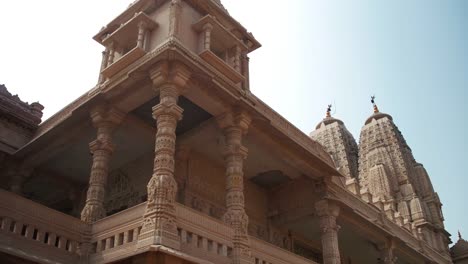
{"x":40,"y":234}
{"x":35,"y":232}
{"x":266,"y":253}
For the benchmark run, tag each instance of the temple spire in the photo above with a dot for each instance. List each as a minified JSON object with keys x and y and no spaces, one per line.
{"x":376,"y":109}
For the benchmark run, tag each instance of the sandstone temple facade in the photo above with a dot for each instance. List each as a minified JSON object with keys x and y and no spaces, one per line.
{"x":170,"y":158}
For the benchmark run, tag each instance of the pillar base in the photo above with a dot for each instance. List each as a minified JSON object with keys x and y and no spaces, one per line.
{"x":164,"y":233}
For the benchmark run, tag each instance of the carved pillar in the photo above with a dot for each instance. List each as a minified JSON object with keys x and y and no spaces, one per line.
{"x":237,"y":58}
{"x":387,"y":252}
{"x":207,"y":28}
{"x":105,"y":120}
{"x":234,"y":126}
{"x":245,"y":70}
{"x":111,"y":53}
{"x":327,"y":212}
{"x":104,"y":62}
{"x":174,"y":18}
{"x":142,"y":26}
{"x":159,"y":226}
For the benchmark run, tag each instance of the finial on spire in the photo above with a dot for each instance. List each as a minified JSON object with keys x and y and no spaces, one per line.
{"x":459,"y":235}
{"x":376,"y":109}
{"x":329,"y":110}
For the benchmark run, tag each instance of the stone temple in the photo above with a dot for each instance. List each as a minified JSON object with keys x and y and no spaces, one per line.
{"x":170,"y":158}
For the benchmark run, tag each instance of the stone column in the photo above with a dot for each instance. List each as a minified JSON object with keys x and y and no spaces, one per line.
{"x":207,"y":28}
{"x":111,"y":53}
{"x":142,"y":26}
{"x":237,"y":58}
{"x":104,"y":61}
{"x":159,"y":225}
{"x":327,"y":212}
{"x":234,"y":126}
{"x":387,"y":252}
{"x":105,"y":119}
{"x":245,"y":70}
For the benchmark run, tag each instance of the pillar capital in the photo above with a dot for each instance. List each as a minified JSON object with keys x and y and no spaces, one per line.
{"x":171,"y":110}
{"x":105,"y":115}
{"x":327,"y":208}
{"x":235,"y":119}
{"x":173,"y":73}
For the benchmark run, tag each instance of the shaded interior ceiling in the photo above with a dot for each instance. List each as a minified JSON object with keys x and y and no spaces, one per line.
{"x":131,"y":141}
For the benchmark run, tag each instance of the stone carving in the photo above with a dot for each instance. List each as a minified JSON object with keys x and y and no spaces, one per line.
{"x":105,"y":120}
{"x":388,"y":174}
{"x":122,"y":193}
{"x":234,"y":126}
{"x":159,"y":226}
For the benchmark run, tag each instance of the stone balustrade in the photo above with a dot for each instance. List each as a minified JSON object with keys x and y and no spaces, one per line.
{"x":38,"y":233}
{"x":35,"y":232}
{"x":115,"y":237}
{"x":204,"y":237}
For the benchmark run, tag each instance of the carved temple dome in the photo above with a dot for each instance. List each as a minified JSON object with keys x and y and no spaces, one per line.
{"x":328,"y":121}
{"x":377,"y":116}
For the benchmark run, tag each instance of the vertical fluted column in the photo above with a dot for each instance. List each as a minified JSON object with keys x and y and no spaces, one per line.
{"x":105,"y":120}
{"x":327,"y":212}
{"x":234,"y":126}
{"x":159,"y":226}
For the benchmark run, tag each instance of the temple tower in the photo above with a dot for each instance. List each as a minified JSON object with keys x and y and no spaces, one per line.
{"x":389,"y":172}
{"x":333,"y":135}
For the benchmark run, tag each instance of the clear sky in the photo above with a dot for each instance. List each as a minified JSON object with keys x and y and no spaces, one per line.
{"x":413,"y":55}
